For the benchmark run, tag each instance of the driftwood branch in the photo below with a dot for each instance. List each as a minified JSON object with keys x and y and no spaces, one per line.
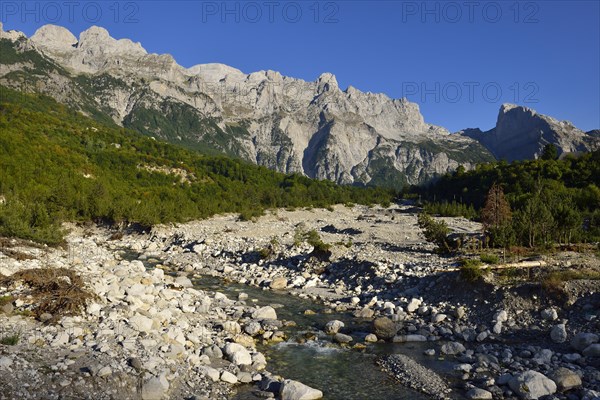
{"x":522,"y":264}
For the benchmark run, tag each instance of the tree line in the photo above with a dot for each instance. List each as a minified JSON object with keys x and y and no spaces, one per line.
{"x":526,"y":203}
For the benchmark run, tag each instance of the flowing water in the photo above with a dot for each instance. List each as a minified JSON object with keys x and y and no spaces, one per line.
{"x":341,"y":374}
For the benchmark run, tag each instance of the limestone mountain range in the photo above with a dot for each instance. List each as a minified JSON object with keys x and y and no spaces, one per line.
{"x":291,"y":125}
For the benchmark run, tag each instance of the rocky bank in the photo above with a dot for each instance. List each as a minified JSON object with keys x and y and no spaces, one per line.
{"x":150,"y":333}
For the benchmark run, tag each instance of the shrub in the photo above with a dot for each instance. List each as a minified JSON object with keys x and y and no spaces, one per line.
{"x":435,"y":232}
{"x":470,"y":269}
{"x":489,"y":258}
{"x":313,"y":238}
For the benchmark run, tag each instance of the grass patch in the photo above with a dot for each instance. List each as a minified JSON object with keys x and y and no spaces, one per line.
{"x":5,"y":299}
{"x":56,"y":291}
{"x":10,"y":340}
{"x":553,"y":283}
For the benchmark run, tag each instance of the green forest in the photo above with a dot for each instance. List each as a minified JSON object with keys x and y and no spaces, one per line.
{"x":548,"y":200}
{"x":57,"y":165}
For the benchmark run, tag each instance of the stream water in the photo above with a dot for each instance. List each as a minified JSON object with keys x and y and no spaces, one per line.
{"x":341,"y":374}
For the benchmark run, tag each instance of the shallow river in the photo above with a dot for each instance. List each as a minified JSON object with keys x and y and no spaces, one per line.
{"x":342,"y":374}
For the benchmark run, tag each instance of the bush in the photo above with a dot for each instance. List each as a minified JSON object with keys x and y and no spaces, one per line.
{"x":435,"y":232}
{"x":470,"y":269}
{"x":313,"y":238}
{"x":489,"y":259}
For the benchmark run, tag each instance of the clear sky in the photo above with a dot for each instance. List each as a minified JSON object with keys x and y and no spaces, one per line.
{"x":459,"y":60}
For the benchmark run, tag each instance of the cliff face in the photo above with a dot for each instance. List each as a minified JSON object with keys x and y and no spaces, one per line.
{"x":291,"y":125}
{"x":521,"y":133}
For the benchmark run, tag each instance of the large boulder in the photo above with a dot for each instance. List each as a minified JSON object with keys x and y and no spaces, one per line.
{"x":266,"y":312}
{"x":279,"y":283}
{"x":237,"y":354}
{"x":593,"y":350}
{"x":583,"y":340}
{"x":155,"y":388}
{"x":294,"y":390}
{"x":532,"y":385}
{"x":384,"y":328}
{"x":558,"y":334}
{"x":341,"y":338}
{"x":452,"y":348}
{"x":141,"y":323}
{"x":565,"y":379}
{"x":478,"y":394}
{"x":333,"y":327}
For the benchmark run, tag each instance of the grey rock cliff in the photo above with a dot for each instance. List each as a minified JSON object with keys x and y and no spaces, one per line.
{"x":291,"y":125}
{"x":522,"y":133}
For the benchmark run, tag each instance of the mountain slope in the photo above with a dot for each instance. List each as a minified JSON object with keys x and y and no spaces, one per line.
{"x":290,"y":125}
{"x":57,"y":165}
{"x":521,"y":133}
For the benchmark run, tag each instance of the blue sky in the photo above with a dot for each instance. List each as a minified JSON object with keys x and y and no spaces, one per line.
{"x":459,"y":60}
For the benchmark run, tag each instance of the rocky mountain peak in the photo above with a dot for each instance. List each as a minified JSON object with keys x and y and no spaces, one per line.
{"x":326,"y":83}
{"x":284,"y":123}
{"x":522,"y":133}
{"x":54,"y":37}
{"x":215,"y":72}
{"x":11,"y":35}
{"x":97,"y":39}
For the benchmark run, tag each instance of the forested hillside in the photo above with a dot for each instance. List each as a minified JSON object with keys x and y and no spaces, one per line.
{"x":551,"y":200}
{"x":57,"y":165}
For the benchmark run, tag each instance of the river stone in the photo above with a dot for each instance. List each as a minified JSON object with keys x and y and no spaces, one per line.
{"x":212,"y":351}
{"x":384,"y":328}
{"x":141,"y":323}
{"x":210,"y":372}
{"x":244,"y":340}
{"x":269,"y":384}
{"x":501,"y":316}
{"x":155,"y":388}
{"x":333,"y":327}
{"x":252,"y":328}
{"x":237,"y":354}
{"x":294,"y":390}
{"x":228,"y":377}
{"x":279,"y":283}
{"x":460,"y":312}
{"x":478,"y":394}
{"x":532,"y":385}
{"x":232,"y":327}
{"x":365,"y":312}
{"x":105,"y":371}
{"x":558,"y":334}
{"x":452,"y":348}
{"x":266,"y":312}
{"x":593,"y":350}
{"x":371,"y":338}
{"x":437,"y":318}
{"x":183,"y":281}
{"x":341,"y":338}
{"x":5,"y":363}
{"x":583,"y":340}
{"x":565,"y":379}
{"x":409,"y":338}
{"x":413,"y":305}
{"x":549,"y":314}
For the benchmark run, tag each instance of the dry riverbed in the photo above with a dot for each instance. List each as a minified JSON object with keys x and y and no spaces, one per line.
{"x":149,"y":334}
